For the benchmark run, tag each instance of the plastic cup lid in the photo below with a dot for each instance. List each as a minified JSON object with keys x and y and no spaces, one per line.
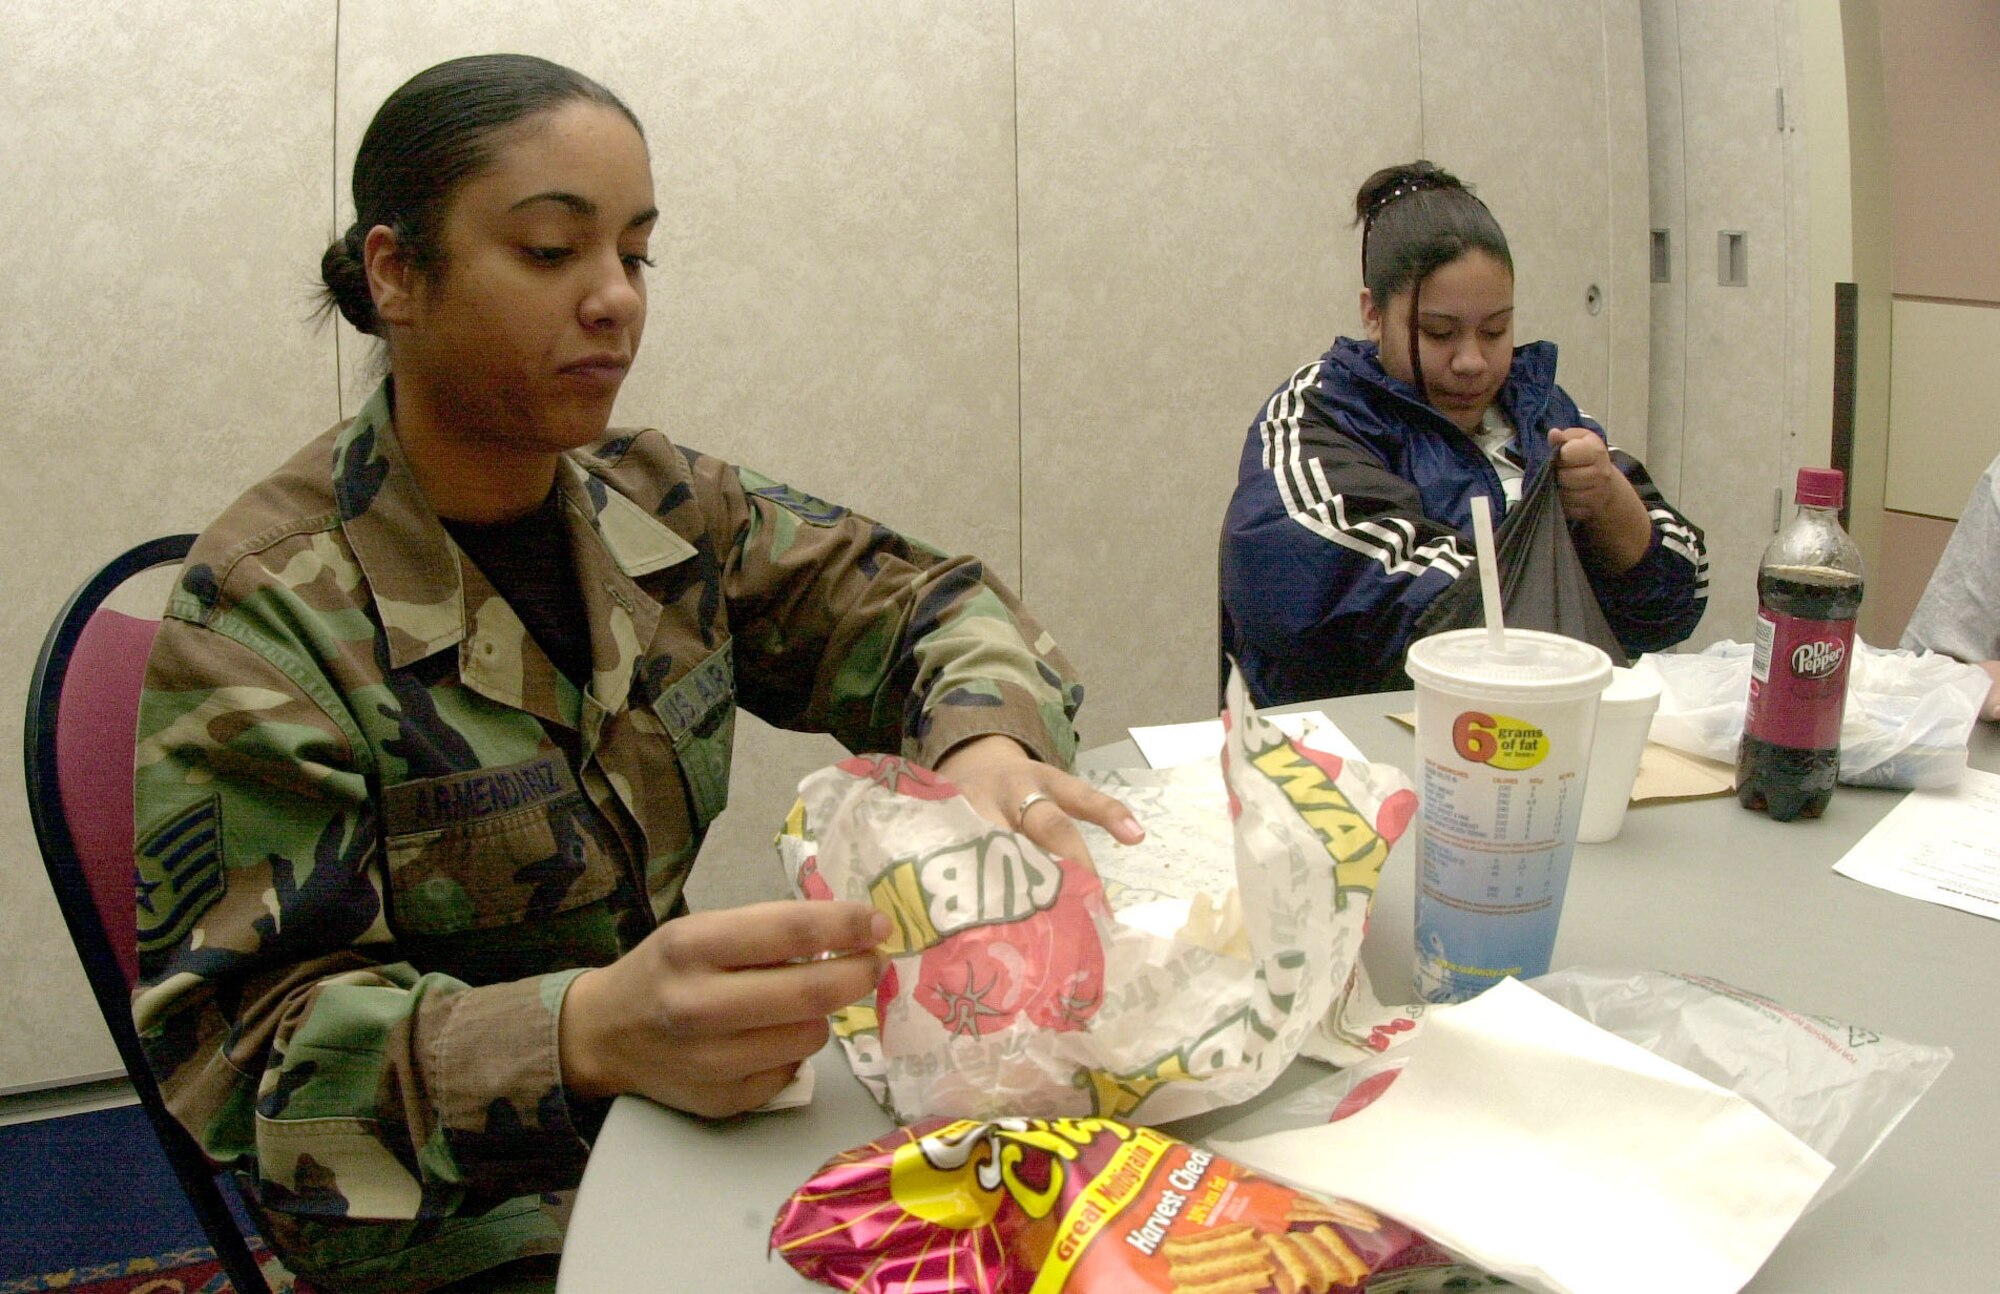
{"x":1535,"y":666}
{"x":1631,"y":692}
{"x":1631,"y":685}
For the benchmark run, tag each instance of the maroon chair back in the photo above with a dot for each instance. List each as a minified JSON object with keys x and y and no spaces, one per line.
{"x":83,"y":715}
{"x":95,"y":732}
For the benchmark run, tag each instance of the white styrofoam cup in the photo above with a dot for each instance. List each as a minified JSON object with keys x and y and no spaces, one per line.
{"x":1624,"y":717}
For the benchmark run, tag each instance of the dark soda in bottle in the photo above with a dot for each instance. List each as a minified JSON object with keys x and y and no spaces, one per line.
{"x":1808,"y":594}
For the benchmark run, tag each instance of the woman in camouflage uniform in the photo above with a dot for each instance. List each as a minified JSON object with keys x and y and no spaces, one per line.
{"x":441,"y":710}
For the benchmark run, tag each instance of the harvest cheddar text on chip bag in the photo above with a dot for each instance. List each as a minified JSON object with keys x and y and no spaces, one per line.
{"x":1033,"y":1206}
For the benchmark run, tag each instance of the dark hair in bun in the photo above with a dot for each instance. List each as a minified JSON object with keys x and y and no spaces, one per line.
{"x":1415,"y":219}
{"x":346,"y":280}
{"x":435,"y":132}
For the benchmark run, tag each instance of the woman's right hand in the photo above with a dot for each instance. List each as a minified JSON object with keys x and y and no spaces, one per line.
{"x":1599,"y":498}
{"x":713,"y":1012}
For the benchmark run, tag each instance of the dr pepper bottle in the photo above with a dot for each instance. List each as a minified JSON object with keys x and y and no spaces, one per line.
{"x":1808,"y":594}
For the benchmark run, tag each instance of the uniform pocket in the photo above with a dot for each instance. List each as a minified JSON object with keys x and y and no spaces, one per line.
{"x":492,"y":847}
{"x":698,"y":710}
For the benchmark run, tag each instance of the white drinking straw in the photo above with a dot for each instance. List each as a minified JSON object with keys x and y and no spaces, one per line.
{"x":1489,"y":574}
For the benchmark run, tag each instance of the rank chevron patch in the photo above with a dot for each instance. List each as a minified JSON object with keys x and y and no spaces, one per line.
{"x":180,"y":874}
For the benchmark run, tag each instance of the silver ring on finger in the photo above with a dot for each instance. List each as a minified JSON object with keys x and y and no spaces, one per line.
{"x":1029,"y":801}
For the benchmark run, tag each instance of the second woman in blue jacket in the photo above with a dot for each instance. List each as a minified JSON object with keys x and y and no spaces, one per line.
{"x":1352,"y":508}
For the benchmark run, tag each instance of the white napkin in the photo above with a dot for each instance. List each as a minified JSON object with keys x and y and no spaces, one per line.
{"x":794,"y":1094}
{"x":1538,"y":1147}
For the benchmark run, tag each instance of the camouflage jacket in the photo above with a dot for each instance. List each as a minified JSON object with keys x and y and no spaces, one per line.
{"x":378,"y":833}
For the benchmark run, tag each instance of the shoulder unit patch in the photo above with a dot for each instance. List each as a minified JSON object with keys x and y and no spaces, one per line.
{"x":807,"y":508}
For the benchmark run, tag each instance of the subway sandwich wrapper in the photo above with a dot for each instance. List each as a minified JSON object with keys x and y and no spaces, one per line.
{"x":1182,"y":977}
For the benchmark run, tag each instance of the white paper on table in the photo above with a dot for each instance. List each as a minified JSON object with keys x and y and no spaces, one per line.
{"x":1538,"y":1147}
{"x":795,"y":1093}
{"x":1168,"y":744}
{"x":1940,"y":846}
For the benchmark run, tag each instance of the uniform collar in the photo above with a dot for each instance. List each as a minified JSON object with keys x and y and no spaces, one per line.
{"x":414,"y":569}
{"x":1523,"y":397}
{"x":401,"y":546}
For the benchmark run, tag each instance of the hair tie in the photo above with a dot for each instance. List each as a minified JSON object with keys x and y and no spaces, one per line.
{"x":1404,"y":187}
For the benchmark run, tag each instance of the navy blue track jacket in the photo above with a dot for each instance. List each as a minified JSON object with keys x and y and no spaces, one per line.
{"x":1353,"y":510}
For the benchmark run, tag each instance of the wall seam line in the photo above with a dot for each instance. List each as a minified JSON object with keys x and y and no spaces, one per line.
{"x":1607,"y":293}
{"x":333,"y":215}
{"x":1020,"y":380}
{"x":1923,"y":299}
{"x":1687,"y":251}
{"x":1423,"y":130}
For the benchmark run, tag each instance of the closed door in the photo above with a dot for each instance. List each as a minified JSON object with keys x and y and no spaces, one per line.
{"x":1729,"y":413}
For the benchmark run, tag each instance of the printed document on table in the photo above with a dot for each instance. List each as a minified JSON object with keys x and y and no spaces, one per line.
{"x":1169,"y":744}
{"x":1939,"y":846}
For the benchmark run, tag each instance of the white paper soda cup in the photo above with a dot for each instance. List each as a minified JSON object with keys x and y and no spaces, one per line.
{"x":1503,"y":749}
{"x":1624,"y":717}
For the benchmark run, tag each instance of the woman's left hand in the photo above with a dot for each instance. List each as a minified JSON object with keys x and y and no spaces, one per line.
{"x":1598,"y":497}
{"x":1010,"y":787}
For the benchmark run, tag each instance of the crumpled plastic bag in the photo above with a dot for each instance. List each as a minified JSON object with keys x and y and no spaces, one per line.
{"x":1839,"y":1088}
{"x":1909,"y":714}
{"x":1016,"y":990}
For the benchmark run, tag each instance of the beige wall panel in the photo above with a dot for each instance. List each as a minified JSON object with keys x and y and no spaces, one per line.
{"x":163,"y":209}
{"x":1939,"y":439}
{"x":1938,"y":61}
{"x":834,"y":302}
{"x":1830,"y":181}
{"x":1628,"y":288}
{"x":834,"y":299}
{"x":1808,"y":443}
{"x":1869,"y":212}
{"x":1911,"y":547}
{"x":1835,"y":239}
{"x":1667,"y":204}
{"x":739,"y":860}
{"x":1514,"y":104}
{"x":1740,"y":340}
{"x":1186,"y":192}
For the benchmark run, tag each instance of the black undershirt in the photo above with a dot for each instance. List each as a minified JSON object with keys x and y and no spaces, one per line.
{"x":528,"y":561}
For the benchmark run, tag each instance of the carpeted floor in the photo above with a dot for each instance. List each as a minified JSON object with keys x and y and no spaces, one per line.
{"x":166,"y":1274}
{"x":88,"y":1205}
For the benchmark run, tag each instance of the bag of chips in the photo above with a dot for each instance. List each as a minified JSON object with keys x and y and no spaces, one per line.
{"x":1080,"y":1205}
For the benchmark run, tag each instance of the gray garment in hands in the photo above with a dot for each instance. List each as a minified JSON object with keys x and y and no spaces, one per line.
{"x":1959,"y":614}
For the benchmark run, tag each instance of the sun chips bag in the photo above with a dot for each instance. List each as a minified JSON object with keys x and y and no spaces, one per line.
{"x":1087,"y":1206}
{"x":1014,"y":989}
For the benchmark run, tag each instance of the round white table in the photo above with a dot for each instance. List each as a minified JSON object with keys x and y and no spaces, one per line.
{"x":671,"y":1202}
